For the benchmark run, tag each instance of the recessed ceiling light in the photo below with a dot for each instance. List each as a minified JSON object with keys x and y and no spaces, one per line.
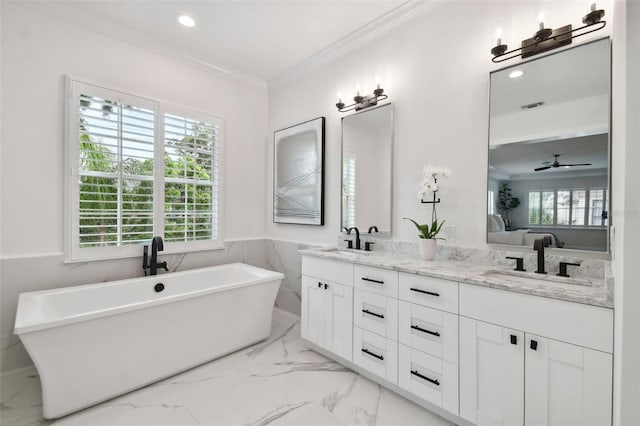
{"x":516,"y":74}
{"x":187,"y":21}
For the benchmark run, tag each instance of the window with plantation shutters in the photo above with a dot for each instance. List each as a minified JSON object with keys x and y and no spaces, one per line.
{"x":348,"y":189}
{"x":191,"y":179}
{"x":115,"y":168}
{"x":139,"y":168}
{"x":569,"y":207}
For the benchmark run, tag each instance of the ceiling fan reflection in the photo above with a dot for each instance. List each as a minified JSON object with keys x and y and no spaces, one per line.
{"x":557,"y":164}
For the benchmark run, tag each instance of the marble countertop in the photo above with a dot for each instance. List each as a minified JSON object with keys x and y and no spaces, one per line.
{"x":596,"y":291}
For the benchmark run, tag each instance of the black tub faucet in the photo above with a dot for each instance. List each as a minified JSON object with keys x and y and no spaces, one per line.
{"x":538,"y":245}
{"x":153,"y":265}
{"x":373,"y":228}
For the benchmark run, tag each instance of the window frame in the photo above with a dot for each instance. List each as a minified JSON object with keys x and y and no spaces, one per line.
{"x":72,"y":250}
{"x":586,"y":210}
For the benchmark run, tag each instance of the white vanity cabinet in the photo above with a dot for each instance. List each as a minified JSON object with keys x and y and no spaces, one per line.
{"x":327,"y":305}
{"x":471,"y":353}
{"x":513,"y":377}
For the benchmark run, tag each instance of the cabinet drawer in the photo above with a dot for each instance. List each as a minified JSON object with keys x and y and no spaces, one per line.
{"x":428,"y":377}
{"x":377,"y":313}
{"x":376,"y":354}
{"x":427,"y":291}
{"x":430,"y":330}
{"x":377,"y":280}
{"x":576,"y":323}
{"x":338,"y":272}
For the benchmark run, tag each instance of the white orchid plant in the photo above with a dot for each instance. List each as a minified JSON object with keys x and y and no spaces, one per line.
{"x":430,"y":176}
{"x":429,"y":185}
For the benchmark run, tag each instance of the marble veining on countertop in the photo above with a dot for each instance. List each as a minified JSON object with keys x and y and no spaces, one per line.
{"x":592,"y":291}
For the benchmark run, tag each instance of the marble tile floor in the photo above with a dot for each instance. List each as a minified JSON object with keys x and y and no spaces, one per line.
{"x":277,"y":382}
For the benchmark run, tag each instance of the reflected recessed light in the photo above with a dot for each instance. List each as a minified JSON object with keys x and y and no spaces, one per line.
{"x":187,"y":21}
{"x":516,"y":74}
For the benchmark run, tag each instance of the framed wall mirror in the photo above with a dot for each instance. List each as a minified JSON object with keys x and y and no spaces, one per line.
{"x":549,"y":146}
{"x":367,"y":147}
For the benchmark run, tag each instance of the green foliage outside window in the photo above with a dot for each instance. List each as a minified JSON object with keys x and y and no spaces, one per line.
{"x":188,"y":208}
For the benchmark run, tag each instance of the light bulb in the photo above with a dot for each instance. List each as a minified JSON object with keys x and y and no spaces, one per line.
{"x":187,"y":21}
{"x":499,"y":36}
{"x":541,"y":19}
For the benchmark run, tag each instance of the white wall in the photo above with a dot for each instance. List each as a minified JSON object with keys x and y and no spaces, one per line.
{"x":37,"y":52}
{"x":436,"y":72}
{"x":626,"y":211}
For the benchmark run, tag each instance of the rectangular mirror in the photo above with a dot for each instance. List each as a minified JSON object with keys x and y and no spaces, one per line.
{"x":549,"y":150}
{"x":367,"y":146}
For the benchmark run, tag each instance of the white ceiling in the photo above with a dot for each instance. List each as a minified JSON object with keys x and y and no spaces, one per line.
{"x":562,"y":77}
{"x":259,"y":38}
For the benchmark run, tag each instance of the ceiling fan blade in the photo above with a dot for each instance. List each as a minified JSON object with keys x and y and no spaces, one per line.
{"x":542,"y":168}
{"x":571,"y":165}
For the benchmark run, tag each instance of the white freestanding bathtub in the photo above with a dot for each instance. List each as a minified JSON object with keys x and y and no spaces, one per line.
{"x":93,"y":342}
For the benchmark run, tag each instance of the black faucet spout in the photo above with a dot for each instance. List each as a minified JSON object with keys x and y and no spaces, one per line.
{"x":539,"y":245}
{"x":357,"y":240}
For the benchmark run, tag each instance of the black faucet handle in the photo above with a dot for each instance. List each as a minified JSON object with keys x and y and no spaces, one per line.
{"x":367,"y":245}
{"x":349,"y":243}
{"x":519,"y":263}
{"x":563,"y":268}
{"x":373,"y":228}
{"x":163,"y":265}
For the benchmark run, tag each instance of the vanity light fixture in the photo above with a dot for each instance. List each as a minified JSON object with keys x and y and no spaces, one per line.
{"x":362,"y":102}
{"x":546,"y":39}
{"x":186,"y":21}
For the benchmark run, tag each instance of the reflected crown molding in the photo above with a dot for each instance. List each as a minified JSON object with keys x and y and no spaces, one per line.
{"x":398,"y":16}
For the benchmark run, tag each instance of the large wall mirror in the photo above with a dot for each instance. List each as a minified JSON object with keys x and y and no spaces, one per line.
{"x":549,"y":150}
{"x":367,"y":146}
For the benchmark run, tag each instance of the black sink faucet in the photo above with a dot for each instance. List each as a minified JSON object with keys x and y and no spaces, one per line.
{"x":153,"y":265}
{"x":357,"y":240}
{"x":538,"y":245}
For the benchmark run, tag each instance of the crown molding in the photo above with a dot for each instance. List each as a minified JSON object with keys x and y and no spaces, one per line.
{"x":125,"y":34}
{"x":402,"y":14}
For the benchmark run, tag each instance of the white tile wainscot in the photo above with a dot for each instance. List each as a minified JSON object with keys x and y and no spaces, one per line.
{"x":470,"y":349}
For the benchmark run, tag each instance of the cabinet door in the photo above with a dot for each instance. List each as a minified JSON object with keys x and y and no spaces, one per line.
{"x":566,"y":384}
{"x":339,"y":320}
{"x":491,"y":374}
{"x":313,"y":310}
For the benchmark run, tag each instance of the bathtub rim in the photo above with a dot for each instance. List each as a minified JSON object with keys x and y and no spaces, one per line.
{"x":23,"y":326}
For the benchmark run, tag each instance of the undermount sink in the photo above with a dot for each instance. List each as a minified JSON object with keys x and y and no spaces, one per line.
{"x":347,"y":252}
{"x":532,"y":278}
